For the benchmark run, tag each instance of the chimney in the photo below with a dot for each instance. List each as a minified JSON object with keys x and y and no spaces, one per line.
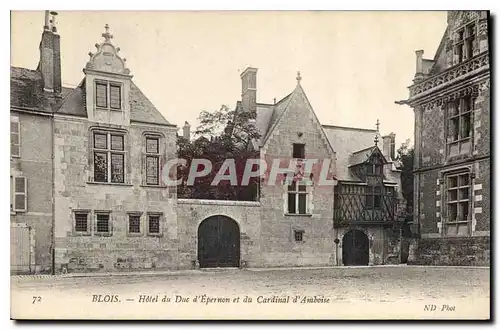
{"x":50,"y":55}
{"x":186,"y":131}
{"x":419,"y":74}
{"x":389,"y":146}
{"x":249,"y":89}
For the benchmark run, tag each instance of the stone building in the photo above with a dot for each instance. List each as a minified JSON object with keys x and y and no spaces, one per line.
{"x":450,"y":97}
{"x":112,"y":209}
{"x":34,"y":95}
{"x":93,"y":198}
{"x":299,"y":222}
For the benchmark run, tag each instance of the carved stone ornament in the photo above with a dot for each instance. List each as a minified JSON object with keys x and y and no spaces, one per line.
{"x":469,"y":90}
{"x":450,"y":74}
{"x":483,"y":28}
{"x":484,"y":86}
{"x":106,"y":58}
{"x":465,"y":17}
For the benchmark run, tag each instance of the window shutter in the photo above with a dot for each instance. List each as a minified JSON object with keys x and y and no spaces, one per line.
{"x":15,"y":136}
{"x":20,"y":193}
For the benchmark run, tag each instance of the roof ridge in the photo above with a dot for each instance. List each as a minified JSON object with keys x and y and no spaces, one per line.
{"x":349,"y":128}
{"x":365,"y":149}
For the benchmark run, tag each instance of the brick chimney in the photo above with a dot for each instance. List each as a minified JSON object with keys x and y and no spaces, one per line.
{"x":389,"y":146}
{"x":50,"y":55}
{"x":249,"y":89}
{"x":186,"y":131}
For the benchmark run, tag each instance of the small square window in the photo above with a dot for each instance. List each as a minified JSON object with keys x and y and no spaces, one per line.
{"x":134,"y":223}
{"x":81,"y":222}
{"x":298,"y":235}
{"x":154,"y":224}
{"x":103,"y":223}
{"x":299,"y":150}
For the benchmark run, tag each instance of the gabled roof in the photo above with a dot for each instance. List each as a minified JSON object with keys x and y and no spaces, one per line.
{"x":362,"y":156}
{"x":141,"y":108}
{"x":345,"y":140}
{"x":281,"y":108}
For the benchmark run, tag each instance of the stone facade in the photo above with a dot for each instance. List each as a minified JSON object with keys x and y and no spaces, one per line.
{"x":35,"y":165}
{"x":451,"y":102}
{"x":80,"y":191}
{"x":76,"y":192}
{"x":298,"y":124}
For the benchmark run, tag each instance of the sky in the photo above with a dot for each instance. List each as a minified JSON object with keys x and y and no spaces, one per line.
{"x":354,"y":65}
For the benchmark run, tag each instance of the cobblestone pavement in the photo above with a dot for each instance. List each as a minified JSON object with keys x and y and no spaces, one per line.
{"x":373,"y":292}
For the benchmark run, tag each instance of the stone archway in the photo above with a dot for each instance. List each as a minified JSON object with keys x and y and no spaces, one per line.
{"x":218,"y":242}
{"x":355,"y":248}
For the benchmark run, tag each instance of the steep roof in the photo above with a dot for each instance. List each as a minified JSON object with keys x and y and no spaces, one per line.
{"x":282,"y":106}
{"x":141,"y":108}
{"x":345,"y":140}
{"x":361,"y":156}
{"x":26,"y":91}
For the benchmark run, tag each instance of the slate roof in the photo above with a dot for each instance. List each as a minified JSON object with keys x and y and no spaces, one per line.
{"x":345,"y":140}
{"x":361,"y":156}
{"x":26,"y":91}
{"x":141,"y":108}
{"x":267,"y":115}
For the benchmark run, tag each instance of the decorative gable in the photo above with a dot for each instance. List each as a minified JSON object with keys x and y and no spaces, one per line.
{"x":107,"y":84}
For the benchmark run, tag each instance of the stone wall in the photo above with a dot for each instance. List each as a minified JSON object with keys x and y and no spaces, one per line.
{"x":75,"y":191}
{"x":191,"y":212}
{"x":452,"y":251}
{"x":298,"y":124}
{"x":35,"y":163}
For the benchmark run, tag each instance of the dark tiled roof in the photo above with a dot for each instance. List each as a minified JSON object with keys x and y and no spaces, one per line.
{"x":361,"y":156}
{"x":141,"y":108}
{"x":26,"y":90}
{"x":74,"y":103}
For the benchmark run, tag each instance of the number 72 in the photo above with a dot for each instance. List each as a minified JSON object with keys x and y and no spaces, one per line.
{"x":37,"y":299}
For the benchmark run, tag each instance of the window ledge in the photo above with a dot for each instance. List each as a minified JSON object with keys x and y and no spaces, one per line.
{"x":103,"y":234}
{"x":298,"y":215}
{"x":108,"y":109}
{"x":110,"y":183}
{"x":152,"y":186}
{"x":77,"y":233}
{"x":155,"y":235}
{"x":134,"y":234}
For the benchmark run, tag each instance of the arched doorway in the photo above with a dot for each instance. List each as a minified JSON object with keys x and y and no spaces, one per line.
{"x":355,"y":248}
{"x":219,"y":242}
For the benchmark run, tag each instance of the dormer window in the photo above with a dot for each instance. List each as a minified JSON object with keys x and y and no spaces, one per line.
{"x":108,"y":95}
{"x":464,"y":44}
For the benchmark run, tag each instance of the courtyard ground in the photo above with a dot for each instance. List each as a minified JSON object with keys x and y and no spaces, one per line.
{"x":390,"y":292}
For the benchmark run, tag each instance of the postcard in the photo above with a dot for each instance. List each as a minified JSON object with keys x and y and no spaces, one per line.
{"x":257,"y":165}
